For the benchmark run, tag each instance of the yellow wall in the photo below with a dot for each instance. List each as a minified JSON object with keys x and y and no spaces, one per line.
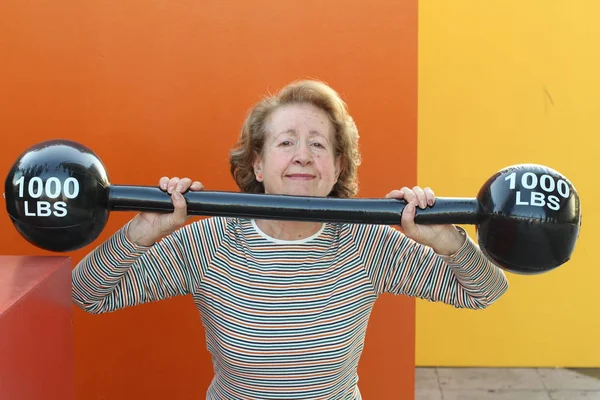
{"x":500,"y":83}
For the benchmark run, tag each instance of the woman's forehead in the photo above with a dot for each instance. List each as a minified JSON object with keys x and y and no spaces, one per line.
{"x":299,"y":119}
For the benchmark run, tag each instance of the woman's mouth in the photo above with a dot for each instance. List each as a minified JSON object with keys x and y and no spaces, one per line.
{"x":302,"y":177}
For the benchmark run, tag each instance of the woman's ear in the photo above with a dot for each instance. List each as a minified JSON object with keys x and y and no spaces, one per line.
{"x":257,"y":165}
{"x":338,"y":168}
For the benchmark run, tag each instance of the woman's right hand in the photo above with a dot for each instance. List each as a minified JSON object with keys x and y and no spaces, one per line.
{"x":148,"y":227}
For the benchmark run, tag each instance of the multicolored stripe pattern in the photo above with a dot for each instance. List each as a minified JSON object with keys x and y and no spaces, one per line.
{"x":283,"y":319}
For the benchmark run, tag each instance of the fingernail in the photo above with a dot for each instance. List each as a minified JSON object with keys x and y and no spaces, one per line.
{"x":410,"y":207}
{"x":422,"y":204}
{"x":430,"y":202}
{"x":170,"y":189}
{"x":177,"y":195}
{"x":196,"y":184}
{"x":179,"y":188}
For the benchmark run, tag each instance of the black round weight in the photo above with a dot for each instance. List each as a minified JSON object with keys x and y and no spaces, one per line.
{"x":530,"y":218}
{"x":57,"y":195}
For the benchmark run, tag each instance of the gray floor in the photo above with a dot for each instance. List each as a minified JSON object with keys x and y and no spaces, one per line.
{"x":507,"y":384}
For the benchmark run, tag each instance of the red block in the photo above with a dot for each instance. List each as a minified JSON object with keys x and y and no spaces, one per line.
{"x":36,"y":336}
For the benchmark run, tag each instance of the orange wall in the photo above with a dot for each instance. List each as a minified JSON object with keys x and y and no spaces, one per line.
{"x":161,"y":88}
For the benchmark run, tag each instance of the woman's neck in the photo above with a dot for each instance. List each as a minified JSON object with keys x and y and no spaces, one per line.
{"x":288,"y":230}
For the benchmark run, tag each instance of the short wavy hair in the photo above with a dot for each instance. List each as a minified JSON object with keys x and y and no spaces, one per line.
{"x":320,"y":95}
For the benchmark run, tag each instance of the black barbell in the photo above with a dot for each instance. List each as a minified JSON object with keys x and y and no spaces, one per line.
{"x":527,"y":216}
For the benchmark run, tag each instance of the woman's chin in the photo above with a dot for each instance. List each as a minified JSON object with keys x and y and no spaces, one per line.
{"x":302,"y":192}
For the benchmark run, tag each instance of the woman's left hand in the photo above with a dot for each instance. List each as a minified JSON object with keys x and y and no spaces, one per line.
{"x":443,"y":239}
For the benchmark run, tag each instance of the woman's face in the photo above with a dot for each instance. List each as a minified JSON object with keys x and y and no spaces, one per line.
{"x":298,"y":156}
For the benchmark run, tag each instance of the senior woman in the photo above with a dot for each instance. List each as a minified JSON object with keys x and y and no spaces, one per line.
{"x":285,"y":304}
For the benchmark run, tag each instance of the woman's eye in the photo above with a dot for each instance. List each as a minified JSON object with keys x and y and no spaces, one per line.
{"x":286,"y":143}
{"x":317,"y":144}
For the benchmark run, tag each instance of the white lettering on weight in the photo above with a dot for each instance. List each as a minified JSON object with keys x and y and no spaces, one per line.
{"x":519,"y":201}
{"x":60,"y":209}
{"x":27,"y":212}
{"x":537,"y":198}
{"x":52,"y":188}
{"x":45,"y":209}
{"x":553,"y":203}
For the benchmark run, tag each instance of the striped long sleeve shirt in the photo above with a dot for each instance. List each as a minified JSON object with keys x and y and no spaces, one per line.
{"x":283,"y":319}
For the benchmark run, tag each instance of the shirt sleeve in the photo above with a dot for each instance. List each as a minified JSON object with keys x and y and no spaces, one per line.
{"x":397,"y":264}
{"x":119,"y":273}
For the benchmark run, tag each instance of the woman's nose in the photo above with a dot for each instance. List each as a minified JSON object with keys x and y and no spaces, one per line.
{"x":303,"y":154}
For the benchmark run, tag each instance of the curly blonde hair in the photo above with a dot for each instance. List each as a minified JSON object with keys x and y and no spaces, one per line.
{"x":320,"y":95}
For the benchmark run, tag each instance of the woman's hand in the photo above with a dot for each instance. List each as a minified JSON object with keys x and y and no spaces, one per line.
{"x":444,"y":239}
{"x":148,"y":227}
